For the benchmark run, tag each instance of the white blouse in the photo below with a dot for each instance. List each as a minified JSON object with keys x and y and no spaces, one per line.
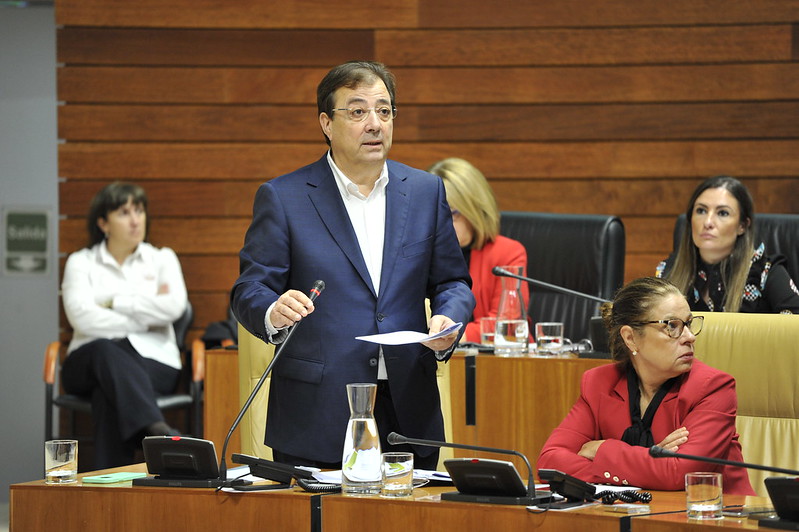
{"x":104,"y":299}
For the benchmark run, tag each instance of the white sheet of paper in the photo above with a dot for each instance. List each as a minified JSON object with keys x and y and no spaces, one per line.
{"x":334,"y":477}
{"x":407,"y":337}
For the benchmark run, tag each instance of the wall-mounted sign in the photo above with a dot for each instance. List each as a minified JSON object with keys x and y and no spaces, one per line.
{"x":26,"y":237}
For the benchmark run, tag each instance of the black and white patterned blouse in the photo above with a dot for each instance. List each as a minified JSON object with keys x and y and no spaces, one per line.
{"x":769,"y":288}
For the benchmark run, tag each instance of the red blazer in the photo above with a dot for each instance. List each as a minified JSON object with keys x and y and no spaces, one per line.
{"x":704,"y":402}
{"x":486,"y":286}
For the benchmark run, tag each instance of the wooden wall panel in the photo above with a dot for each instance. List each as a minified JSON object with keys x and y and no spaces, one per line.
{"x":605,"y":46}
{"x":434,"y":86}
{"x":222,"y":161}
{"x":668,"y":83}
{"x":128,"y":46}
{"x":582,"y":13}
{"x":632,"y":197}
{"x":238,"y":13}
{"x":209,"y":236}
{"x":220,"y":123}
{"x":617,"y":107}
{"x":226,"y":161}
{"x":208,"y":198}
{"x":506,"y":47}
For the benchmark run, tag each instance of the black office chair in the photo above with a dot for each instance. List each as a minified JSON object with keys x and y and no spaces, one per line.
{"x":581,"y":252}
{"x":780,"y":233}
{"x":191,"y":402}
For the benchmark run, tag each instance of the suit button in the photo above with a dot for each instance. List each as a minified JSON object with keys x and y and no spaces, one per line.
{"x":380,"y":316}
{"x":607,"y":474}
{"x":625,"y":482}
{"x":373,"y":362}
{"x":615,"y":479}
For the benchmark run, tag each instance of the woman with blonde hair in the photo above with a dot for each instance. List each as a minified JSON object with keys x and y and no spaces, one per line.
{"x":475,"y":216}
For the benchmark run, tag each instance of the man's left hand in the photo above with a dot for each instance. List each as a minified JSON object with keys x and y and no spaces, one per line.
{"x":437,"y":324}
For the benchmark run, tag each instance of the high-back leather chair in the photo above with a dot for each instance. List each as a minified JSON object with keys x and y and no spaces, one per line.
{"x":780,"y":233}
{"x":582,"y":252}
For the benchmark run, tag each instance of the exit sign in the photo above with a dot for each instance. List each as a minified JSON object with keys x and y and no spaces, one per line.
{"x":26,"y":241}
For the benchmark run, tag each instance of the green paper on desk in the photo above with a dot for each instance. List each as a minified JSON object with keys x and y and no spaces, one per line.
{"x":110,"y":478}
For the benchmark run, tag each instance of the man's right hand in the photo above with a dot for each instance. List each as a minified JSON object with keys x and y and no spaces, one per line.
{"x":290,"y":308}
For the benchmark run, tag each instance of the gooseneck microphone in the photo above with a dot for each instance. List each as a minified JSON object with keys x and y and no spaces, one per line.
{"x":316,"y":289}
{"x":659,"y":452}
{"x":502,"y":272}
{"x":397,"y":439}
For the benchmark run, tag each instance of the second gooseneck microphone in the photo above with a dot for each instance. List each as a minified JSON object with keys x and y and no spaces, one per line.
{"x":657,"y":451}
{"x":502,"y":272}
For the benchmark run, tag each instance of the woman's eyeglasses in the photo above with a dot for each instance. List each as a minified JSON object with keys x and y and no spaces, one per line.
{"x":675,"y":326}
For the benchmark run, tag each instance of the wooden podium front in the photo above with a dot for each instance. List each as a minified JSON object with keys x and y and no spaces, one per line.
{"x":35,"y":506}
{"x":516,"y":402}
{"x":79,"y":507}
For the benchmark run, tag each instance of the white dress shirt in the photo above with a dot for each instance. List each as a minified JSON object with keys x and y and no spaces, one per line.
{"x":104,"y":299}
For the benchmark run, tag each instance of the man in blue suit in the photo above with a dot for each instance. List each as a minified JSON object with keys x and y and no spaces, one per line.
{"x":380,"y":235}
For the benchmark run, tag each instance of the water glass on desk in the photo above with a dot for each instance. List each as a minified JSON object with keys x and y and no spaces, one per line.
{"x":488,"y":328}
{"x":60,"y":461}
{"x":703,"y":492}
{"x":397,"y":473}
{"x":548,"y":338}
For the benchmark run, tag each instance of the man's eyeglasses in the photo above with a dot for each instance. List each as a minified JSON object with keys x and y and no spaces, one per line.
{"x":675,"y":327}
{"x":359,"y":114}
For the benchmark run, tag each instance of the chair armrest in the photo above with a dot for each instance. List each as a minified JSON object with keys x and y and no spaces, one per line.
{"x":198,"y":361}
{"x":50,"y":361}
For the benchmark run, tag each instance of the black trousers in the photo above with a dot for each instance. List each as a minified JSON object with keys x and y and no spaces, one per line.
{"x":123,"y":386}
{"x":386,"y":419}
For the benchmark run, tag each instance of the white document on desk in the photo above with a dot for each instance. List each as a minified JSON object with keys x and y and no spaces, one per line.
{"x":408,"y":337}
{"x":334,"y":477}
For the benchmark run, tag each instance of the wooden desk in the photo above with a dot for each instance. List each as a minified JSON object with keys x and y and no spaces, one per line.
{"x":35,"y":506}
{"x":426,"y":511}
{"x":670,"y":501}
{"x":518,"y":402}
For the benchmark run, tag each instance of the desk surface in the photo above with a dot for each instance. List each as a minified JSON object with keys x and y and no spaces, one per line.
{"x":425,"y":511}
{"x":35,"y":506}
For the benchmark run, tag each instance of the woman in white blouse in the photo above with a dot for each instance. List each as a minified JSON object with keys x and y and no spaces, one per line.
{"x":121,"y":296}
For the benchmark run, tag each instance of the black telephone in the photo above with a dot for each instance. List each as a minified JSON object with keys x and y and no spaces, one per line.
{"x":284,"y":473}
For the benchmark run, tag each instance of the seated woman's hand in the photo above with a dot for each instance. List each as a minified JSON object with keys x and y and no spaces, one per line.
{"x":590,"y":449}
{"x":673,"y":441}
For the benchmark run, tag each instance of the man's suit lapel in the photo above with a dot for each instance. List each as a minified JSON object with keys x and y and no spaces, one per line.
{"x":326,"y":198}
{"x":397,"y":212}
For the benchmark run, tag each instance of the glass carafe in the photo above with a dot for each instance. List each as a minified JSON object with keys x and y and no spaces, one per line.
{"x":512,"y":332}
{"x":360,"y":463}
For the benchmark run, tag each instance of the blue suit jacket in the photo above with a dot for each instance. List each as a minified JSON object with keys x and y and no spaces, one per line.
{"x":301,"y":232}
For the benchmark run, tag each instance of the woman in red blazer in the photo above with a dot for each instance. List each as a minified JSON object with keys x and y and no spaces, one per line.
{"x":656,"y":393}
{"x":476,"y":219}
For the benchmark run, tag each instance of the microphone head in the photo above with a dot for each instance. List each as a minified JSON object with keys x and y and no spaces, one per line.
{"x":316,"y":289}
{"x":496,"y":270}
{"x":659,"y":452}
{"x":395,"y":439}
